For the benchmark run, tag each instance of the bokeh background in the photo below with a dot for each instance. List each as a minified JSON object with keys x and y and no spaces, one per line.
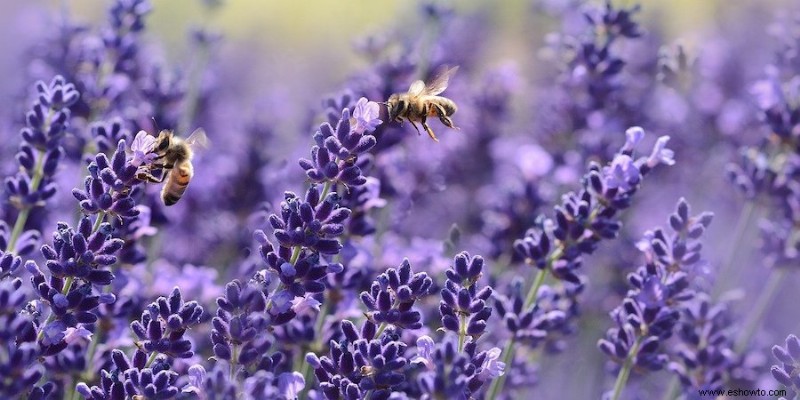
{"x":277,"y":60}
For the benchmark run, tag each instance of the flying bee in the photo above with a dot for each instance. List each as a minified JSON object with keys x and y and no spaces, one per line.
{"x":422,"y":101}
{"x":174,"y":159}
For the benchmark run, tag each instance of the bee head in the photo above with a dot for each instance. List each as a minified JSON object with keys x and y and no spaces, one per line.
{"x":163,"y":142}
{"x":396,"y":106}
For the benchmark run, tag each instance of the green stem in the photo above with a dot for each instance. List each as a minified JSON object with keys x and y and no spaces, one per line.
{"x":381,"y":329}
{"x":534,"y":291}
{"x":625,"y":372}
{"x":295,"y":254}
{"x":305,"y":368}
{"x":19,"y":224}
{"x":775,"y":279}
{"x":234,"y":356}
{"x":325,"y":190}
{"x":508,"y":351}
{"x":673,"y":389}
{"x":97,"y":222}
{"x":725,"y":272}
{"x":36,"y":180}
{"x":150,"y":360}
{"x":67,"y":287}
{"x":462,"y":334}
{"x":70,"y":391}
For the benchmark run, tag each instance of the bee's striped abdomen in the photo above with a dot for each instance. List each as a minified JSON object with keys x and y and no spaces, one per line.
{"x":177,"y":181}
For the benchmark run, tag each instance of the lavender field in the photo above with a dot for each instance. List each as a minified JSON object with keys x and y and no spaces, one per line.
{"x":547,"y":199}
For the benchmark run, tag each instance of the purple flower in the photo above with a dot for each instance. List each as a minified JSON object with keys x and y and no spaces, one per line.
{"x":393,"y":294}
{"x":651,"y":310}
{"x":304,"y":304}
{"x":197,"y":377}
{"x":366,"y":115}
{"x":463,"y":307}
{"x":76,"y":335}
{"x":142,"y":148}
{"x":163,"y":324}
{"x":788,"y":373}
{"x":492,"y":367}
{"x":40,"y":152}
{"x":661,"y":154}
{"x":290,"y":384}
{"x":632,"y":137}
{"x":622,"y":174}
{"x":424,"y":355}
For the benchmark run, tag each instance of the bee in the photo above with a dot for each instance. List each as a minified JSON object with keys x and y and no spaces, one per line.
{"x":174,"y":158}
{"x":422,"y":101}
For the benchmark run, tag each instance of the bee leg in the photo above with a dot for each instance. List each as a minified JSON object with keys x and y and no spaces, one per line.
{"x":428,"y":129}
{"x":416,"y":127}
{"x":148,"y":177}
{"x":440,"y":112}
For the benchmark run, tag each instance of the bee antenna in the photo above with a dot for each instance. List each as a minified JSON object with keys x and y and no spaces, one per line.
{"x":155,"y":124}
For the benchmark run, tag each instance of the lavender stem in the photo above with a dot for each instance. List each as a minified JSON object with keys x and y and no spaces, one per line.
{"x":776,"y":278}
{"x":745,"y":217}
{"x":508,"y":351}
{"x":625,"y":372}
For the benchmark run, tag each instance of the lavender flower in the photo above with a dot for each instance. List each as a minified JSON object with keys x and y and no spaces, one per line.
{"x":463,"y":306}
{"x":361,"y":364}
{"x":332,"y":158}
{"x":651,"y":310}
{"x":452,"y":373}
{"x":393,"y":294}
{"x":313,"y":223}
{"x":131,"y":378}
{"x":705,"y":356}
{"x":40,"y":153}
{"x":585,"y":218}
{"x":18,"y":336}
{"x":109,"y":184}
{"x":106,"y":135}
{"x":239,"y":334}
{"x":163,"y":324}
{"x":787,"y":372}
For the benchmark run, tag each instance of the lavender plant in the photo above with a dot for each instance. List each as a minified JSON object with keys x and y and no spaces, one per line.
{"x":660,"y":290}
{"x":484,"y":266}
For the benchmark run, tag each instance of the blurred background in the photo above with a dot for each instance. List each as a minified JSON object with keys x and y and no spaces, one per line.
{"x":275,"y":62}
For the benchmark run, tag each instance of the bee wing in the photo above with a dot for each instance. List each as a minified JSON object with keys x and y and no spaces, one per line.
{"x":198,"y":140}
{"x":416,"y":89}
{"x":439,"y":82}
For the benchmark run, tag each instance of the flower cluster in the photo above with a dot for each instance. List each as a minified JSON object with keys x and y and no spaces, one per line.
{"x":650,"y":312}
{"x":585,"y":218}
{"x":239,"y":327}
{"x":393,"y":294}
{"x":450,"y":372}
{"x":163,"y":324}
{"x":463,"y":306}
{"x":360,"y":364}
{"x":107,"y":189}
{"x":132,"y":378}
{"x":272,"y":281}
{"x":333,"y":157}
{"x":705,"y":356}
{"x":41,"y":151}
{"x":787,"y":372}
{"x":313,"y":222}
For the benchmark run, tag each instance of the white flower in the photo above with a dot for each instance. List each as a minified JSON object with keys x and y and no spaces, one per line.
{"x":491,"y":367}
{"x":661,"y":154}
{"x":424,"y":352}
{"x":142,"y":148}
